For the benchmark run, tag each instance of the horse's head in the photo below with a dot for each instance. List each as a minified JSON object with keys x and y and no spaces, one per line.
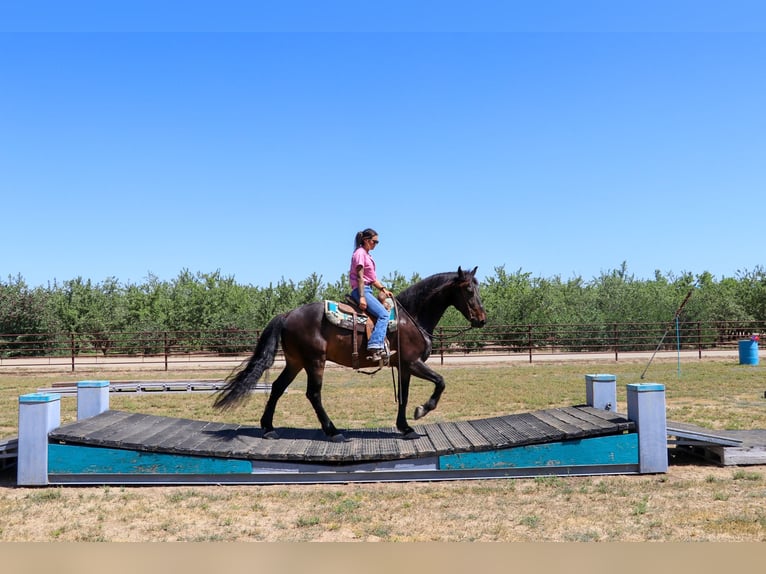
{"x":467,"y":299}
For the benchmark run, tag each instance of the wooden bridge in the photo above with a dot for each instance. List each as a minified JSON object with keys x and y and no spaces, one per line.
{"x":115,"y":447}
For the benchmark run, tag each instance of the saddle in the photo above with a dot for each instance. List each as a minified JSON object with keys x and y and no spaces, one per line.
{"x":348,"y":315}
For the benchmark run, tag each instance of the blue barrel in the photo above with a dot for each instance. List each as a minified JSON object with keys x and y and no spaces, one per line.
{"x":748,"y":352}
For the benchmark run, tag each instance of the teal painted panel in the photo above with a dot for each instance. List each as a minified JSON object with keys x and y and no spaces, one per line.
{"x":607,"y":450}
{"x":74,"y":459}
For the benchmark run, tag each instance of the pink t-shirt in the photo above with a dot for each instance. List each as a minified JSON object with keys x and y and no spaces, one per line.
{"x":363,"y":258}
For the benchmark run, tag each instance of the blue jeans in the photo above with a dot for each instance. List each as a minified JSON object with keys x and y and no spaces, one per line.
{"x":377,"y":310}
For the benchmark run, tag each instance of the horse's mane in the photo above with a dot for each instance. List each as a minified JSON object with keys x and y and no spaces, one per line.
{"x":418,"y":291}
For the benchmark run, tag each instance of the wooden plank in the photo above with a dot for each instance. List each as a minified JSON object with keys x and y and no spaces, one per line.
{"x":198,"y":433}
{"x":577,"y":426}
{"x":690,"y":431}
{"x":407,"y":448}
{"x":327,"y":450}
{"x":608,"y":421}
{"x":473,"y":436}
{"x":179,"y":438}
{"x":489,"y":432}
{"x":439,"y":440}
{"x":423,"y":445}
{"x":388,"y":443}
{"x":301,"y":447}
{"x":367,"y":448}
{"x":542,"y":431}
{"x":278,"y":449}
{"x":515,"y":429}
{"x":554,"y":419}
{"x":111,"y":435}
{"x":526,"y":432}
{"x":214,"y":438}
{"x":85,"y":428}
{"x":605,"y":419}
{"x":740,"y":456}
{"x":141,"y":434}
{"x":456,"y":438}
{"x":592,"y":418}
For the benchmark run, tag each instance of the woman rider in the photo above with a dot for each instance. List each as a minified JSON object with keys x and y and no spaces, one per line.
{"x":363,"y":278}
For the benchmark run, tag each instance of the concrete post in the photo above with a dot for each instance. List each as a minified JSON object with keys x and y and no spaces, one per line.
{"x":39,"y":414}
{"x":92,"y":398}
{"x":646,"y":407}
{"x":601,"y":392}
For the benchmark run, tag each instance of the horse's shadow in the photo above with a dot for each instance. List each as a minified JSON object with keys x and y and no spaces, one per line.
{"x":303,"y":434}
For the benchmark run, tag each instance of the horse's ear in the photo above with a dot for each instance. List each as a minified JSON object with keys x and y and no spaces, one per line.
{"x":461,"y":273}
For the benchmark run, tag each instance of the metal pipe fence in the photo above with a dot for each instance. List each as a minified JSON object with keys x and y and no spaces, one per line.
{"x":616,"y":338}
{"x":163,"y":350}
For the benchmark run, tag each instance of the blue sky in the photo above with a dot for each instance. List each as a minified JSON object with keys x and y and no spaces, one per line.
{"x":559,"y":138}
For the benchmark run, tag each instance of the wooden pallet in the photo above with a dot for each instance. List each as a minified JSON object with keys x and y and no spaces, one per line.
{"x":166,"y":386}
{"x":724,"y":448}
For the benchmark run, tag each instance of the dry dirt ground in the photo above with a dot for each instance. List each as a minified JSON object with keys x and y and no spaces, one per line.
{"x":692,"y":502}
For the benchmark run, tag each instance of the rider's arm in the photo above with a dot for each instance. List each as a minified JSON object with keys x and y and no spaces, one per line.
{"x":360,"y":283}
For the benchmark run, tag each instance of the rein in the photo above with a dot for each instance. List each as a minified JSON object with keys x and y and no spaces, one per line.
{"x":456,"y":334}
{"x":427,"y":338}
{"x":396,"y":379}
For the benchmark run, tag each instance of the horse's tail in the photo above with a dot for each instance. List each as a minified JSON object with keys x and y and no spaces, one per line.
{"x":239,"y":383}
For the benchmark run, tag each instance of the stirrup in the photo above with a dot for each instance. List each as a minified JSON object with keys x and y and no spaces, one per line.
{"x":380,"y":355}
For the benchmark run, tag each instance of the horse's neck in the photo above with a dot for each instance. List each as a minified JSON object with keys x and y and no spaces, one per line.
{"x":427,"y":311}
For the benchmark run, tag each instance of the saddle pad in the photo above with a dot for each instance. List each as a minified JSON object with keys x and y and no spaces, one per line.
{"x":337,"y":315}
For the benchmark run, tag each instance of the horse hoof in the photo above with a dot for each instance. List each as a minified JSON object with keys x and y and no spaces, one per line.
{"x":271,"y":435}
{"x":340,"y":437}
{"x":420,"y":412}
{"x":410,"y":435}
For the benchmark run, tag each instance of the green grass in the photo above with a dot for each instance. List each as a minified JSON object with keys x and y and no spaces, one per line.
{"x":717,"y":394}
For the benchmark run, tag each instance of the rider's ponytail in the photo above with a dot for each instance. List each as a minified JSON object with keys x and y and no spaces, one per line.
{"x":368,"y":233}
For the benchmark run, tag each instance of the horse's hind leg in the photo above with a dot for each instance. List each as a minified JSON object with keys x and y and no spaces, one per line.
{"x":314,"y":395}
{"x":278,"y":388}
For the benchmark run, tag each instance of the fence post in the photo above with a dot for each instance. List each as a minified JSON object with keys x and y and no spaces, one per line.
{"x":529,"y":341}
{"x":71,"y":348}
{"x":646,"y":407}
{"x":92,"y":398}
{"x":699,"y":339}
{"x":39,"y":414}
{"x":616,"y":342}
{"x":601,"y":392}
{"x":165,"y":346}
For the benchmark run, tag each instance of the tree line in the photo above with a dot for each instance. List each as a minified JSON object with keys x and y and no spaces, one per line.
{"x":213,"y":302}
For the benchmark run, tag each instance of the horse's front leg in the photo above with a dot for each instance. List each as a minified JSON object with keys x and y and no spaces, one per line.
{"x":401,"y":416}
{"x":422,"y":371}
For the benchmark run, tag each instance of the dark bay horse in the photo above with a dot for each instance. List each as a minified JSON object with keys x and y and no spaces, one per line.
{"x":308,"y":340}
